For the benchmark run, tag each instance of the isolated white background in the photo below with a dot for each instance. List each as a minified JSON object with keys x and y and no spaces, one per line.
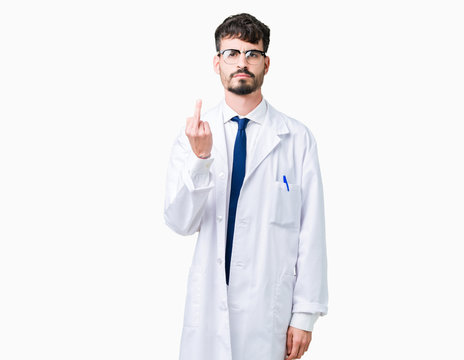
{"x":92,"y":94}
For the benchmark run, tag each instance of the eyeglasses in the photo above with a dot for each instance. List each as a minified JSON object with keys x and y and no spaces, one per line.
{"x":231,"y":56}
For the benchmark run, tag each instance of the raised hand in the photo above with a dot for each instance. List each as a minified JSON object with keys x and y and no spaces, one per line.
{"x":199,"y":134}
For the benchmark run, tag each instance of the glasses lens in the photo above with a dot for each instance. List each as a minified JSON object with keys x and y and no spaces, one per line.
{"x":253,"y":56}
{"x":231,"y":56}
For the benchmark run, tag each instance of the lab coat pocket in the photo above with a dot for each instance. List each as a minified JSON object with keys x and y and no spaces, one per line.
{"x":283,"y":302}
{"x":285,"y":205}
{"x":193,"y":298}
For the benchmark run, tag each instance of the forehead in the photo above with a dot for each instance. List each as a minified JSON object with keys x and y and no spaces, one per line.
{"x":235,"y":43}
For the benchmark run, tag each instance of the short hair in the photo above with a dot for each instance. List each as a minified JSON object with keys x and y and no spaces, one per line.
{"x":244,"y":27}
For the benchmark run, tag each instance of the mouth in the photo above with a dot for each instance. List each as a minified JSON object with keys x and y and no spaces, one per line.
{"x":243,"y":74}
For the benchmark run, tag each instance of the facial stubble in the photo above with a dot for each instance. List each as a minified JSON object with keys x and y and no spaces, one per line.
{"x":243,"y":87}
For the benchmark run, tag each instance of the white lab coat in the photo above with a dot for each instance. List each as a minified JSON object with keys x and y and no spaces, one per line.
{"x":278,"y":264}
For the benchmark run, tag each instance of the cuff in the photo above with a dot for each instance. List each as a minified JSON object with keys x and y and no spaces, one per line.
{"x":199,"y":170}
{"x":304,"y":321}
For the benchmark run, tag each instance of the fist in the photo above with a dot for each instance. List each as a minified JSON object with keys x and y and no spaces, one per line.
{"x":199,"y":134}
{"x":297,"y":342}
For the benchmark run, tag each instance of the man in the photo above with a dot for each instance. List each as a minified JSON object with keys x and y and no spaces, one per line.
{"x":247,"y":178}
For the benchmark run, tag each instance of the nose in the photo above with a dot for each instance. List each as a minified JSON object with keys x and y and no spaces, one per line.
{"x":242,"y":62}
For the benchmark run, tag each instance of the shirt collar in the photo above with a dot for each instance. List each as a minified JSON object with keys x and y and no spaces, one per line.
{"x":256,"y":115}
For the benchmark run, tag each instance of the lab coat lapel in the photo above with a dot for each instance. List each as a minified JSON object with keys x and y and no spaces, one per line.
{"x":268,"y":138}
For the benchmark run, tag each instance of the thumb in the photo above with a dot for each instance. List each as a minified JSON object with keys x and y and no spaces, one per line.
{"x":289,"y":343}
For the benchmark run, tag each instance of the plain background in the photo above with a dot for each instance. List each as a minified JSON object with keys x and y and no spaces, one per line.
{"x":92,"y":96}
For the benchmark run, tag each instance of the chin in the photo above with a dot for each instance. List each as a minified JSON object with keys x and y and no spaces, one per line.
{"x":242,"y":90}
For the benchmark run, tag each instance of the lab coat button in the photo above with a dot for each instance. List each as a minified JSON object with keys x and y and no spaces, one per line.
{"x":219,"y":218}
{"x":224,"y":306}
{"x":219,"y":261}
{"x":221,"y":175}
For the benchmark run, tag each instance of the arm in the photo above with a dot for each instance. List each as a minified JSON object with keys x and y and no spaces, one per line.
{"x":189,"y":179}
{"x":310,"y":295}
{"x":311,"y":289}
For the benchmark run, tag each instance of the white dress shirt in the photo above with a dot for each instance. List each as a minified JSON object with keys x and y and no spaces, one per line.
{"x":199,"y":173}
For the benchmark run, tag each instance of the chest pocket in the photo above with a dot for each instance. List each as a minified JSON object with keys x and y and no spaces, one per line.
{"x":285,"y":208}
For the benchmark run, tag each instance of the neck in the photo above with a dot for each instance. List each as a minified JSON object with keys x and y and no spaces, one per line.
{"x":243,"y":104}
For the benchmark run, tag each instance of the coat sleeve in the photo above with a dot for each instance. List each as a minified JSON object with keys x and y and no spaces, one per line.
{"x":311,"y":289}
{"x":188,"y":183}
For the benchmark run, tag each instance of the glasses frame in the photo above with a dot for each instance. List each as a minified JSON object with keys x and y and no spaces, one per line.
{"x":219,"y":53}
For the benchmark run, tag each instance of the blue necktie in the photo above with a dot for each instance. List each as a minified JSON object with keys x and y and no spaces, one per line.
{"x":238,"y":174}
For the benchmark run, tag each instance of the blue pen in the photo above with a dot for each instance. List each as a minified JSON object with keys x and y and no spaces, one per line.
{"x":286,"y":183}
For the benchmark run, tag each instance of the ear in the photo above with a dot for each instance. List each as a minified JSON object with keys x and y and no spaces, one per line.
{"x":216,"y":64}
{"x":267,"y":61}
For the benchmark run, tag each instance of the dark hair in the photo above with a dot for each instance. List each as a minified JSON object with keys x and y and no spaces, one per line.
{"x":244,"y":27}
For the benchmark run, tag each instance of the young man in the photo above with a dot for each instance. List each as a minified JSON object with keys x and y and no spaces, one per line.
{"x":247,"y":178}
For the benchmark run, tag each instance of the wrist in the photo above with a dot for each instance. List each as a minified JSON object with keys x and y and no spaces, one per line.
{"x":201,"y":156}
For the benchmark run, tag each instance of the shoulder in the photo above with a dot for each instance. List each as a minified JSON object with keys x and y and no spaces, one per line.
{"x":298,"y":130}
